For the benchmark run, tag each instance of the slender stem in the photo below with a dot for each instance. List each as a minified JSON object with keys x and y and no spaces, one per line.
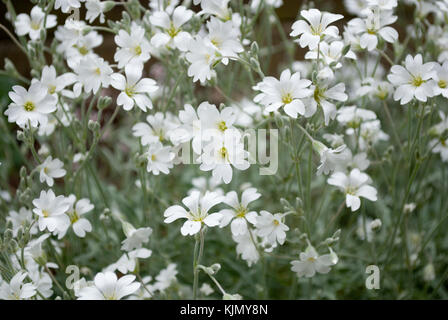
{"x":197,"y":260}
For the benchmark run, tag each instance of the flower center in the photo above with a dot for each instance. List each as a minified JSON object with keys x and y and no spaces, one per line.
{"x":29,"y":106}
{"x":276,"y":222}
{"x":241,"y":212}
{"x":98,"y":71}
{"x":287,"y":98}
{"x":51,"y":89}
{"x":371,"y":31}
{"x":153,"y":157}
{"x":318,"y":94}
{"x":138,"y":50}
{"x":417,"y":81}
{"x":351,"y":191}
{"x":311,"y":259}
{"x":46,"y":170}
{"x":83,"y":50}
{"x":35,"y":25}
{"x":173,"y":31}
{"x":442,"y":84}
{"x":222,"y":126}
{"x":73,"y":217}
{"x":223,"y":153}
{"x":45,"y":213}
{"x":316,"y":31}
{"x":216,"y":43}
{"x":129,"y":90}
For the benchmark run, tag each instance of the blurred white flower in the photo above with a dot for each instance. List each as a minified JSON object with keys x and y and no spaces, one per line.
{"x":311,"y":262}
{"x":16,"y":289}
{"x":108,"y":287}
{"x":50,"y":169}
{"x":354,"y":185}
{"x":33,"y":24}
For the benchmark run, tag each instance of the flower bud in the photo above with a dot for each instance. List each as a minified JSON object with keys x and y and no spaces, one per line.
{"x":429,"y":273}
{"x":376,"y":224}
{"x":104,"y":102}
{"x":128,"y":228}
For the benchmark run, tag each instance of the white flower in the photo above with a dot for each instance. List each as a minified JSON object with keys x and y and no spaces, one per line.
{"x":373,"y":26}
{"x":383,"y":5}
{"x":286,"y":92}
{"x":354,"y":185}
{"x":69,"y":34}
{"x":171,"y":33}
{"x":30,"y":107}
{"x":166,"y":277}
{"x":160,"y":158}
{"x":128,"y":261}
{"x":191,"y":127}
{"x":206,"y":290}
{"x":108,"y":287}
{"x":51,"y":168}
{"x":33,"y":24}
{"x":412,"y":80}
{"x":316,"y":28}
{"x":439,"y":128}
{"x":331,"y":54}
{"x":246,"y":247}
{"x":42,"y":281}
{"x":271,"y":227}
{"x":375,"y":88}
{"x":158,"y":128}
{"x":217,"y":8}
{"x":322,"y":96}
{"x":134,"y":89}
{"x":95,"y":8}
{"x":441,"y":79}
{"x":440,"y":146}
{"x":51,"y":211}
{"x":310,"y":262}
{"x":82,"y":48}
{"x":135,"y":238}
{"x":23,"y":218}
{"x":197,"y":214}
{"x":16,"y":289}
{"x":370,"y":133}
{"x":169,"y":7}
{"x":222,"y":153}
{"x":352,"y":116}
{"x":254,"y":4}
{"x":330,"y":158}
{"x":134,"y":47}
{"x":429,"y":273}
{"x":54,"y":83}
{"x":364,"y":229}
{"x":94,"y":73}
{"x":224,"y":36}
{"x":75,"y":212}
{"x":66,"y":5}
{"x":201,"y":55}
{"x":240,"y":214}
{"x":356,"y":7}
{"x":203,"y":185}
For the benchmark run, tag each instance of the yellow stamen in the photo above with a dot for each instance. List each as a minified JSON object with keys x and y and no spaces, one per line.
{"x":29,"y":106}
